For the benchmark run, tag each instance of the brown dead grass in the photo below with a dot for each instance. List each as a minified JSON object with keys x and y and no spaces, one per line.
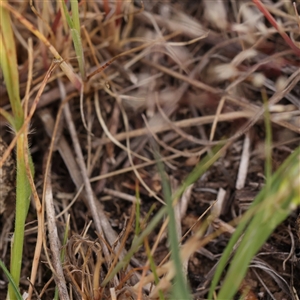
{"x":187,"y":75}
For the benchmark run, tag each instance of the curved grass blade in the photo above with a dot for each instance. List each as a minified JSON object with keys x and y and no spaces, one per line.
{"x":272,"y":206}
{"x":11,"y":281}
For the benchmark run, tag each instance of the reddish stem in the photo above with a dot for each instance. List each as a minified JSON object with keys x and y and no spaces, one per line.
{"x":56,"y":20}
{"x":106,"y":7}
{"x":118,"y":11}
{"x":276,"y":26}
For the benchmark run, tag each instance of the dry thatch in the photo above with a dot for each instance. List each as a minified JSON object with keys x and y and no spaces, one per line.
{"x":177,"y":76}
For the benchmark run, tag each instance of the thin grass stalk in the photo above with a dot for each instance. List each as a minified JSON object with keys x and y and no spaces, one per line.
{"x":106,"y":7}
{"x":74,"y":24}
{"x":153,"y":267}
{"x":29,"y":168}
{"x":63,"y":252}
{"x":9,"y":66}
{"x":39,"y":210}
{"x":199,"y":170}
{"x":268,"y":139}
{"x":137,"y":210}
{"x":274,"y":23}
{"x":180,"y":289}
{"x":204,"y":164}
{"x":79,"y":52}
{"x":11,"y":281}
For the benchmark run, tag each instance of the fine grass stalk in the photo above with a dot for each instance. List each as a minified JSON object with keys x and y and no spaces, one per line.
{"x":199,"y":170}
{"x":137,"y":211}
{"x":74,"y":24}
{"x":11,"y":281}
{"x":153,"y":267}
{"x":268,"y":139}
{"x":180,"y":289}
{"x":63,"y":251}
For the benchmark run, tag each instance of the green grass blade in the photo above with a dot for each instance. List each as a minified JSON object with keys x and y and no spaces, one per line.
{"x":9,"y":66}
{"x":11,"y":281}
{"x":23,"y":192}
{"x":181,"y":287}
{"x":74,"y":24}
{"x":66,"y":13}
{"x":226,"y":254}
{"x":79,"y":51}
{"x":75,"y":15}
{"x":10,"y":119}
{"x":202,"y":166}
{"x":153,"y":269}
{"x":272,"y":206}
{"x":137,"y":212}
{"x":268,"y":139}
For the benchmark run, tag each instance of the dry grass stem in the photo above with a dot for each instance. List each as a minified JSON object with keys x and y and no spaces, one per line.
{"x":245,"y":158}
{"x":54,"y":240}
